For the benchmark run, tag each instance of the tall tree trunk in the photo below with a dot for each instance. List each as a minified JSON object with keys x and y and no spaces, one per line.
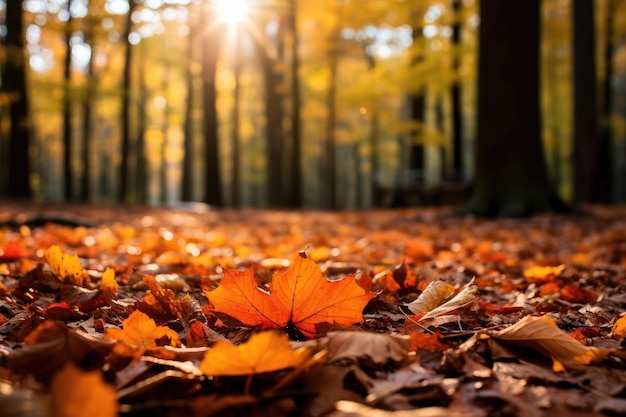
{"x":164,"y":144}
{"x":212,"y":175}
{"x":274,"y":133}
{"x":68,"y":175}
{"x":329,"y":133}
{"x":141,"y":159}
{"x":14,"y":86}
{"x":235,"y":136}
{"x":586,"y":144}
{"x":603,"y":192}
{"x":511,"y":177}
{"x":188,"y":143}
{"x":295,"y":177}
{"x":85,"y":183}
{"x":124,"y":193}
{"x":417,"y":106}
{"x":457,"y":120}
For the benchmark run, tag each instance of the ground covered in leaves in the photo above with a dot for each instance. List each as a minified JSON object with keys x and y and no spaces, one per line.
{"x":139,"y":311}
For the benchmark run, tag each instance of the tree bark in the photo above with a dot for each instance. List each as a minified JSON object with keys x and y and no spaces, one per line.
{"x":124,"y":194}
{"x":85,"y":182}
{"x":14,"y":85}
{"x":187,"y":163}
{"x":586,"y":144}
{"x":212,"y":175}
{"x":68,"y":174}
{"x":511,"y":177}
{"x":457,"y":120}
{"x":295,"y":177}
{"x":235,"y":136}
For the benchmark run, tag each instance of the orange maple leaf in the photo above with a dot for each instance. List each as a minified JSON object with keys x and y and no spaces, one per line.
{"x":299,"y":296}
{"x":142,"y":332}
{"x":263,"y":352}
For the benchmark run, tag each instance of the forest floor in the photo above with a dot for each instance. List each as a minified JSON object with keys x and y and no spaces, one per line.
{"x":192,"y":311}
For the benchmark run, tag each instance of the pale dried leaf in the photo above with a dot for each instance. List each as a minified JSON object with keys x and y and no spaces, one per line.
{"x":354,"y":409}
{"x":435,"y":294}
{"x":379,"y":348}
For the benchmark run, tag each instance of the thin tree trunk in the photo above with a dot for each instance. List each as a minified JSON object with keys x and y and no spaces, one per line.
{"x":603,"y":193}
{"x":188,"y":144}
{"x":235,"y":136}
{"x":85,"y":183}
{"x":586,"y":145}
{"x":295,"y":177}
{"x":124,"y":194}
{"x":212,"y":176}
{"x":417,"y":105}
{"x":68,"y":176}
{"x":141,"y":160}
{"x":457,"y":120}
{"x":165,"y":142}
{"x":14,"y":85}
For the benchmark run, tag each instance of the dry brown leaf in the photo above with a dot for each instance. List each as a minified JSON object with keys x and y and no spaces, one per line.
{"x":435,"y":294}
{"x":354,"y":409}
{"x":379,"y":348}
{"x":544,"y":336}
{"x":440,"y":315}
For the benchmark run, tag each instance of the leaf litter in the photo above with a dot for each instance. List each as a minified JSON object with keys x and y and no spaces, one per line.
{"x":387,"y":313}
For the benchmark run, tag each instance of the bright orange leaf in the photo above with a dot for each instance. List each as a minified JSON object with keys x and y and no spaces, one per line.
{"x":76,"y":394}
{"x":298,"y":296}
{"x":65,"y":267}
{"x":142,"y":332}
{"x":263,"y":352}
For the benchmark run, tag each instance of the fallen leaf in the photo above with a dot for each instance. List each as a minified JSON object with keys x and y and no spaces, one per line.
{"x":65,"y":267}
{"x":75,"y":393}
{"x":160,"y":303}
{"x":264,"y":352}
{"x":354,"y":409}
{"x":426,"y":341}
{"x":440,"y":314}
{"x":298,"y":296}
{"x":541,"y":274}
{"x":575,"y":294}
{"x":377,"y":348}
{"x":435,"y":294}
{"x":109,"y":285}
{"x":141,"y":331}
{"x":619,"y":328}
{"x":542,"y":335}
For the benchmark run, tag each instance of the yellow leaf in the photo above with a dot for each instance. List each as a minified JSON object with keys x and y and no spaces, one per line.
{"x":77,"y":394}
{"x":142,"y":332}
{"x":543,"y":273}
{"x":65,"y":267}
{"x":109,"y":285}
{"x":619,"y":328}
{"x":263,"y":352}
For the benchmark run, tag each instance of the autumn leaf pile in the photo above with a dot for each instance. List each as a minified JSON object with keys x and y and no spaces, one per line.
{"x":168,"y":313}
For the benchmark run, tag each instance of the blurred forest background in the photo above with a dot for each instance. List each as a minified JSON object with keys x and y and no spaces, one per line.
{"x":279,"y":103}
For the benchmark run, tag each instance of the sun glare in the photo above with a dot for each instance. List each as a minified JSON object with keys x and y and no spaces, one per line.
{"x":232,"y":11}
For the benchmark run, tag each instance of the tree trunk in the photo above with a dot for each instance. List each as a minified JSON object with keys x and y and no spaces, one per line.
{"x":164,"y":144}
{"x":187,"y":163}
{"x":85,"y":183}
{"x":295,"y":176}
{"x":586,"y":144}
{"x":68,"y":175}
{"x":457,"y":106}
{"x":124,"y":194}
{"x":235,"y":136}
{"x":14,"y":86}
{"x":212,"y":176}
{"x":417,"y":105}
{"x":603,"y":191}
{"x":511,"y":177}
{"x":141,"y":160}
{"x":274,"y":133}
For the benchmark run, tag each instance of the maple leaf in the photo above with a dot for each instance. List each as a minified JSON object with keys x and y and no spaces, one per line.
{"x":65,"y":267}
{"x":619,"y":328}
{"x":160,"y":303}
{"x":542,"y":274}
{"x":263,"y":352}
{"x":298,"y":296}
{"x":76,"y":394}
{"x":141,"y":331}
